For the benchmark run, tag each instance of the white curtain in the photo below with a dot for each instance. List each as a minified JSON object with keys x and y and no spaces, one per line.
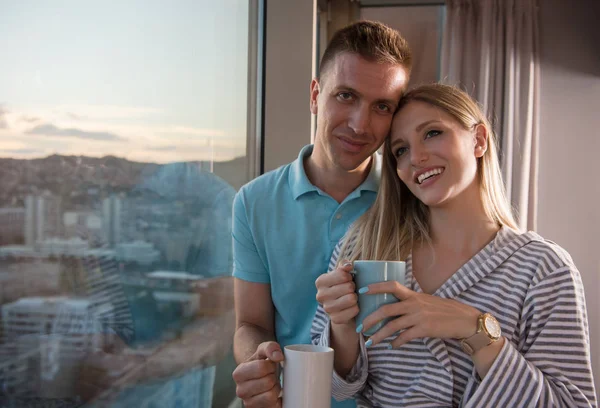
{"x":490,"y":49}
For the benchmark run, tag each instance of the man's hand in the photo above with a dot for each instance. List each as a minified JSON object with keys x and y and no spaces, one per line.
{"x":257,"y":378}
{"x":335,"y":291}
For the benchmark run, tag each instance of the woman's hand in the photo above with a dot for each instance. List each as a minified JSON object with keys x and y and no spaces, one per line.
{"x":336,"y":292}
{"x":419,"y":315}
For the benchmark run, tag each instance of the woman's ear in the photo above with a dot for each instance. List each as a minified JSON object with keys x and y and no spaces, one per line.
{"x":481,"y":140}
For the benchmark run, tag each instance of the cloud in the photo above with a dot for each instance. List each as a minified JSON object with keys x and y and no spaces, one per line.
{"x":162,"y":148}
{"x":104,"y":112}
{"x":29,"y":119}
{"x":21,"y":151}
{"x":3,"y":122}
{"x":74,"y":116}
{"x":51,"y":130}
{"x":186,"y":130}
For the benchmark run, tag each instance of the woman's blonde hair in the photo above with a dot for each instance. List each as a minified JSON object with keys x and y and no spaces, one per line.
{"x":397,"y":219}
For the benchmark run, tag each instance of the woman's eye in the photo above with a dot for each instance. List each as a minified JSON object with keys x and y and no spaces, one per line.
{"x":432,"y":133}
{"x":400,"y":151}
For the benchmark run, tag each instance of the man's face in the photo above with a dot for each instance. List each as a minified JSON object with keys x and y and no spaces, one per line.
{"x":355,"y":100}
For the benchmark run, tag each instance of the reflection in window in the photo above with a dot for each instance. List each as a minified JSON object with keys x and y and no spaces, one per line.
{"x":122,"y":143}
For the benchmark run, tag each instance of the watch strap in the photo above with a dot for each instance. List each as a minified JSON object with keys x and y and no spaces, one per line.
{"x":476,"y":342}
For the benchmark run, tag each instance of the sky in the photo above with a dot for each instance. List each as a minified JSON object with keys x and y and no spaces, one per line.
{"x":152,"y":80}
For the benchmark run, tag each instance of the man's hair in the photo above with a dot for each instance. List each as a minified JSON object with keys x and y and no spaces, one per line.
{"x":371,"y":40}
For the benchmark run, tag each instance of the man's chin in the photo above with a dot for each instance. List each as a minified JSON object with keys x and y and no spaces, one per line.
{"x":351,"y":164}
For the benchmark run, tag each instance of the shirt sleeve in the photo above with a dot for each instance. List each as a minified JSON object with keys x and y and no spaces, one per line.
{"x":355,"y":381}
{"x":247,"y":262}
{"x":550,"y":366}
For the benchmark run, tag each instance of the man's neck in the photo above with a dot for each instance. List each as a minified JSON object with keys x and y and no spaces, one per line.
{"x":336,"y":182}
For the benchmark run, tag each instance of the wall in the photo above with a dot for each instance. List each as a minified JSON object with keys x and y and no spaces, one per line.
{"x":569,"y":191}
{"x":288,"y":72}
{"x":421,"y":27}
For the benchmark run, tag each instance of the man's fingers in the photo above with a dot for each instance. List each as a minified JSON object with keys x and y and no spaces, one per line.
{"x":268,"y":399}
{"x":270,"y":350}
{"x":253,"y":370}
{"x":249,"y":389}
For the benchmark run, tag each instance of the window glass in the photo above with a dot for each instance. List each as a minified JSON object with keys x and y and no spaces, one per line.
{"x":123,"y":139}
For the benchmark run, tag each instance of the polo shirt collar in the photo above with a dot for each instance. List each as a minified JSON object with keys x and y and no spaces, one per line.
{"x":300,"y":184}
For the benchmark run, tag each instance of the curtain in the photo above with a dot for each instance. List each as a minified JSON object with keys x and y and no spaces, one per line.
{"x":490,"y":48}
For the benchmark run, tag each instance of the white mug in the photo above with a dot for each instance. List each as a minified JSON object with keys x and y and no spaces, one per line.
{"x":307,"y":372}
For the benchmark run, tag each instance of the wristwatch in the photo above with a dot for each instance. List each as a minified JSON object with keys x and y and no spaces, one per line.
{"x":488,"y":331}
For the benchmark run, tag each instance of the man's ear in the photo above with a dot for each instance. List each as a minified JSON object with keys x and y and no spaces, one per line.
{"x":315,"y":90}
{"x":481,"y":140}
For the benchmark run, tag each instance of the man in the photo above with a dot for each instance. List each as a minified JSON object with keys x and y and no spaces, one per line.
{"x":287,"y":222}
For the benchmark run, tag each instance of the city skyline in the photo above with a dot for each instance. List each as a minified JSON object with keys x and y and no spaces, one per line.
{"x":164,"y":84}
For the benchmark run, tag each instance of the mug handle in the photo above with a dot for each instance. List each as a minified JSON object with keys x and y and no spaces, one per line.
{"x":281,"y":363}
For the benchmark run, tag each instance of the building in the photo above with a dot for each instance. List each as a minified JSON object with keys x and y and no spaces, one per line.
{"x":43,"y":218}
{"x":194,"y":389}
{"x":112,"y":209}
{"x":12,"y":226}
{"x":63,"y":330}
{"x":140,"y":252}
{"x":75,"y":320}
{"x":28,"y":276}
{"x":17,"y":368}
{"x":104,"y":286}
{"x":62,"y":247}
{"x":85,"y":225}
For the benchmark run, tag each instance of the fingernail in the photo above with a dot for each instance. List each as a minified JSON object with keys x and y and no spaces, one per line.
{"x":347,"y":263}
{"x":277,"y":355}
{"x":359,"y":328}
{"x":390,"y":347}
{"x":369,"y":343}
{"x":363,"y":290}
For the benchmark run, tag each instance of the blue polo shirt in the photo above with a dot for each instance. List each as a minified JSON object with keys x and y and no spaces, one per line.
{"x":284,"y":232}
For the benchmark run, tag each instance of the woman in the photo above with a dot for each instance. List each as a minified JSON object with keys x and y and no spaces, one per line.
{"x":469,"y":274}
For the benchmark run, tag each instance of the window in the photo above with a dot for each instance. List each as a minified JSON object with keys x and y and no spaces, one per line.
{"x":125,"y":130}
{"x":421,"y":24}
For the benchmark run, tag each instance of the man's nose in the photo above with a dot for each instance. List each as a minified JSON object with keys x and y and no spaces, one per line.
{"x":360,"y":120}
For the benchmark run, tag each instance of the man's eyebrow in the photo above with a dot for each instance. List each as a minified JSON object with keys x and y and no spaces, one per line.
{"x":354,"y":91}
{"x":391,"y":102}
{"x":346,"y":89}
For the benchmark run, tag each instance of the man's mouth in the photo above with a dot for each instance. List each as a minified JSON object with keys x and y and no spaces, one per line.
{"x":352,"y":145}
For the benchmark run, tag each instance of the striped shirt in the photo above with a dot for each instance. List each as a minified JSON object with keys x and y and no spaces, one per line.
{"x":534,"y":290}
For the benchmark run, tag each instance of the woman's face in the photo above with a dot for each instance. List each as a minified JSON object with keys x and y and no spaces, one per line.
{"x":436,"y":157}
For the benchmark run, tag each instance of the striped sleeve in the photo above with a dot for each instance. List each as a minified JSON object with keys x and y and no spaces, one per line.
{"x":550,"y":367}
{"x":341,"y":388}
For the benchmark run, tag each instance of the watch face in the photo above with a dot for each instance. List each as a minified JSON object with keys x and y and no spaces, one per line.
{"x":492,"y":326}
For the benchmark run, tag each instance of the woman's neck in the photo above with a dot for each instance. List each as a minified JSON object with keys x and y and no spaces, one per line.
{"x":462,"y":227}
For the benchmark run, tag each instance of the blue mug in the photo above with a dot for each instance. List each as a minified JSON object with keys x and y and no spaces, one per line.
{"x":370,"y":272}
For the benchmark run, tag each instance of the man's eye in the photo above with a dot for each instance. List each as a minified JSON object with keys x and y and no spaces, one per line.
{"x":400,"y":151}
{"x":345,"y":96}
{"x":432,"y":133}
{"x":383,"y":107}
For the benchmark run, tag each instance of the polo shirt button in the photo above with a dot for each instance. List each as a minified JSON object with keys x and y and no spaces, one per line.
{"x":338,"y":217}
